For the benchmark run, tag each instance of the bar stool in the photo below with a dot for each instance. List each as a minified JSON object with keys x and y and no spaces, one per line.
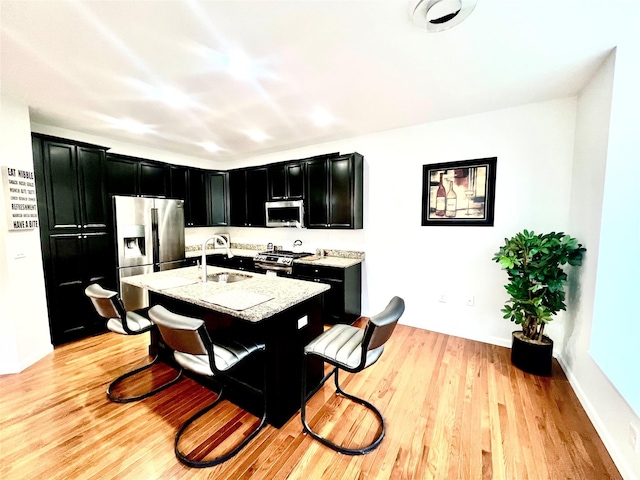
{"x":194,"y":350}
{"x":351,"y":349}
{"x":109,"y":305}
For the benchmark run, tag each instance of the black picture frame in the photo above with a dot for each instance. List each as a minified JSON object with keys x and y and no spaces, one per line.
{"x":473,"y":183}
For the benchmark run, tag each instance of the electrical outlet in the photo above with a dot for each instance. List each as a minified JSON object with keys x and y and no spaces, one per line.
{"x":470,"y":301}
{"x":634,"y":438}
{"x":442,"y":298}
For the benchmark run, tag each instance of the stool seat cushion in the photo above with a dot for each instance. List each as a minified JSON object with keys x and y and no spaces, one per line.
{"x":135,"y":322}
{"x":341,"y":345}
{"x":227,"y":354}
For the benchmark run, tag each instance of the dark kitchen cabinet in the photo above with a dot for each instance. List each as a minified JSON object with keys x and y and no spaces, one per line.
{"x":191,"y":185}
{"x":196,"y":198}
{"x":76,"y":261}
{"x":72,"y":180}
{"x":76,"y":244}
{"x":334,"y":188}
{"x":135,"y":176}
{"x":217,"y":187}
{"x":286,"y":181}
{"x":248,"y":192}
{"x":236,"y":262}
{"x":342,"y":302}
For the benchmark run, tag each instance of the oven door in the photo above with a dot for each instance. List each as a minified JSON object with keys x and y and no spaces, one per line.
{"x":270,"y":268}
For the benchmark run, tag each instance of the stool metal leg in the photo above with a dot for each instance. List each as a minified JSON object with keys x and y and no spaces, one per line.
{"x":183,"y":457}
{"x":112,"y":385}
{"x":338,"y":448}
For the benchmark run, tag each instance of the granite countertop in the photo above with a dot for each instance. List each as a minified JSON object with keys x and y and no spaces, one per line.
{"x":240,"y":252}
{"x":283,"y":292}
{"x":332,"y":258}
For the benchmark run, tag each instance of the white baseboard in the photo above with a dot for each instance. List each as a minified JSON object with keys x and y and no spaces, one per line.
{"x":611,"y":446}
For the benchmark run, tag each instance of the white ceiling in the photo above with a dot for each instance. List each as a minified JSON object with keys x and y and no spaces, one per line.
{"x":81,"y":64}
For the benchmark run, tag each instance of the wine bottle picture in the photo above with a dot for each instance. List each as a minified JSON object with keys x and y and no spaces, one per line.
{"x":441,"y":198}
{"x":452,"y":202}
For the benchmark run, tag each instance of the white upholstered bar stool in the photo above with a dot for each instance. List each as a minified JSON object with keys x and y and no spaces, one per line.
{"x":109,"y":305}
{"x":351,"y":349}
{"x":194,"y":350}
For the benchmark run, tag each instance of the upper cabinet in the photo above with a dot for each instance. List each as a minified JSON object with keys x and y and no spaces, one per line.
{"x":248,"y":192}
{"x":286,"y":181}
{"x":72,"y":178}
{"x":334,"y":192}
{"x":135,"y":176}
{"x":217,"y":190}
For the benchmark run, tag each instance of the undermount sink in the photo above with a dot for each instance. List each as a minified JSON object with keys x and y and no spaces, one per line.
{"x":227,"y":277}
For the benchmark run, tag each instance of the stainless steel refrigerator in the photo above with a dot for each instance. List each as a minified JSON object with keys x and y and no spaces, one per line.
{"x":149,"y":236}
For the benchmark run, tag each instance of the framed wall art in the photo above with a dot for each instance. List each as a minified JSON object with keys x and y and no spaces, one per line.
{"x":459,"y":193}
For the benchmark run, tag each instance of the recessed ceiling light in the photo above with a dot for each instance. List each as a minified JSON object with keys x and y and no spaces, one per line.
{"x":239,"y":65}
{"x":210,"y":146}
{"x":130,"y":125}
{"x":439,"y":15}
{"x":321,"y":117}
{"x":257,"y":135}
{"x":174,"y":97}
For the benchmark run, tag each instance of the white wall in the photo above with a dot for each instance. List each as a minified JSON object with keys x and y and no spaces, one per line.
{"x":534,"y":146}
{"x":24,"y":324}
{"x":604,"y":215}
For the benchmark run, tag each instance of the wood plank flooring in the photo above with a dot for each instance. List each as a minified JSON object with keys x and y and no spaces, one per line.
{"x":455,"y":409}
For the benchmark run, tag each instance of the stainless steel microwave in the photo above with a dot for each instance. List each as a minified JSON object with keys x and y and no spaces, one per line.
{"x":288,"y":213}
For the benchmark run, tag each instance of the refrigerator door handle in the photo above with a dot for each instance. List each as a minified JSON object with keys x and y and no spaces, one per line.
{"x":155,"y":236}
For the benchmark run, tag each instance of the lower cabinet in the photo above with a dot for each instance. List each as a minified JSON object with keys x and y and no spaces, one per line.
{"x":342,"y":303}
{"x":235,"y":263}
{"x":72,"y":262}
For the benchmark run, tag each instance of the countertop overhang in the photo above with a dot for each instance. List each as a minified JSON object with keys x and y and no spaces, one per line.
{"x":285,"y":292}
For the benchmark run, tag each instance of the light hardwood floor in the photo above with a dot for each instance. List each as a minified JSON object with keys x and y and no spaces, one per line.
{"x":455,"y":409}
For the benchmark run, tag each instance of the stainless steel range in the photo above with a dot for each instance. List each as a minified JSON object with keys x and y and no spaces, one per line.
{"x":280,"y":261}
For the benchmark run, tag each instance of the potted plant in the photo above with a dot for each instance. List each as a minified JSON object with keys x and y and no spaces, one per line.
{"x":536,"y":289}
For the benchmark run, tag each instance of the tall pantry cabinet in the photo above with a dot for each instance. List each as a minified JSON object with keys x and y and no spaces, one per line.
{"x":76,"y":244}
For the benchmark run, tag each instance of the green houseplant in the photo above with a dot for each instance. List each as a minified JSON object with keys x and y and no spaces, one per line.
{"x":536,"y":291}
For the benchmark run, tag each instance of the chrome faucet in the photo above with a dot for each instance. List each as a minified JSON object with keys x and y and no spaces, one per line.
{"x":204,"y":255}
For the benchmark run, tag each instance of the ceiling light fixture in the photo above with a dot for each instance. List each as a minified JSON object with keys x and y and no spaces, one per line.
{"x":130,"y":125}
{"x":257,"y":135}
{"x":210,"y":147}
{"x":173,"y":97}
{"x":439,"y":15}
{"x":321,"y":117}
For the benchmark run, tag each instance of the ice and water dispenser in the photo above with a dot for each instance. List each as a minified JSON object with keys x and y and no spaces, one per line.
{"x":134,"y":241}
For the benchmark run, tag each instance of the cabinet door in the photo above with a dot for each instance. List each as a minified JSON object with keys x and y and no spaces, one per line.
{"x":152,"y":179}
{"x":121,"y":176}
{"x":317,"y":194}
{"x":277,"y":182}
{"x":295,"y":180}
{"x":93,"y":199}
{"x":178,"y":183}
{"x":238,"y":198}
{"x":217,"y":190}
{"x":257,"y":193}
{"x":61,"y":183}
{"x":99,"y":260}
{"x":340,"y":192}
{"x":196,"y":198}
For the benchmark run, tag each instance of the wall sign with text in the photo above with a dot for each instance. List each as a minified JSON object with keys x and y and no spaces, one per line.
{"x":20,"y":198}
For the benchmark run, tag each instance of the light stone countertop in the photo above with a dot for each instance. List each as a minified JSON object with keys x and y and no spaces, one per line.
{"x":337,"y":261}
{"x":286,"y":292}
{"x":240,"y":252}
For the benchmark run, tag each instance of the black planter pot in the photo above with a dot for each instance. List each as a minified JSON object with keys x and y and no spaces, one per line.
{"x":535,"y":358}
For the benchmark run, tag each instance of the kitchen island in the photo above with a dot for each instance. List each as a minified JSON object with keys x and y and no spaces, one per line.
{"x":283,"y":313}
